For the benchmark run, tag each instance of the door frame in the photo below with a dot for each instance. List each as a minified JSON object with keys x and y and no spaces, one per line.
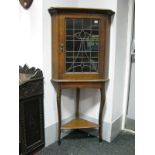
{"x":131,"y":5}
{"x":102,"y":51}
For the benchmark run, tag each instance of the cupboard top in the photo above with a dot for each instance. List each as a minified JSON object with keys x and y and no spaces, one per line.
{"x":60,"y":10}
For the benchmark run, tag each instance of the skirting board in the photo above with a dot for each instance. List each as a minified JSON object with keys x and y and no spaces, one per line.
{"x":116,"y":128}
{"x":110,"y":131}
{"x":51,"y":132}
{"x":130,"y":124}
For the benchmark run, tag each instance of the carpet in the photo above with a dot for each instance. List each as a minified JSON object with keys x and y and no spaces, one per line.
{"x":80,"y":143}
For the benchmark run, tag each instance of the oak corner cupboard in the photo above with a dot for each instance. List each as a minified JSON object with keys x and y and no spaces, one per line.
{"x":80,"y":51}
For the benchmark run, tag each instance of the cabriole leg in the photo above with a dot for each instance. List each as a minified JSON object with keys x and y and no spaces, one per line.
{"x":59,"y":113}
{"x":102,"y":91}
{"x":77,"y":102}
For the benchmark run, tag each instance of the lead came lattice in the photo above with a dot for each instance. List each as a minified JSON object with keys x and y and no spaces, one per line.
{"x":82,"y":45}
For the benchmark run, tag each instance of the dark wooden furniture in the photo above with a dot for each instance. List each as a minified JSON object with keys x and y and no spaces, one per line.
{"x":80,"y":49}
{"x":31,"y":119}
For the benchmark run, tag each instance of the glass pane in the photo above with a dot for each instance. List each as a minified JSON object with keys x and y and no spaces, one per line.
{"x":87,"y":24}
{"x":94,"y":60}
{"x":69,"y":45}
{"x":69,"y":38}
{"x":95,"y":35}
{"x":82,"y":45}
{"x":69,"y":54}
{"x":77,"y":23}
{"x":69,"y":59}
{"x":69,"y":66}
{"x":69,"y":32}
{"x":69,"y":23}
{"x":77,"y":45}
{"x":94,"y":67}
{"x":94,"y":54}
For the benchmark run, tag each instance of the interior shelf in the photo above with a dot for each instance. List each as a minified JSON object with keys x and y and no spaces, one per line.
{"x":79,"y":123}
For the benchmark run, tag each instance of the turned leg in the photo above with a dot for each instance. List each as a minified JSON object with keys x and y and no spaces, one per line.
{"x":59,"y":113}
{"x":77,"y":102}
{"x":102,"y":91}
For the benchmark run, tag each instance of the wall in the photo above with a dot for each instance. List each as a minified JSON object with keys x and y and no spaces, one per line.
{"x":131,"y":104}
{"x":30,"y":32}
{"x":98,"y":4}
{"x":120,"y":57}
{"x":128,"y":59}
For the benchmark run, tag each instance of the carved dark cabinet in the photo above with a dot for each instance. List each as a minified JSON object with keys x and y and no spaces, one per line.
{"x":80,"y":51}
{"x":31,"y":119}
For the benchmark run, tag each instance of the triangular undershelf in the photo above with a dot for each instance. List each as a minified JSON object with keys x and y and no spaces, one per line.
{"x":79,"y":123}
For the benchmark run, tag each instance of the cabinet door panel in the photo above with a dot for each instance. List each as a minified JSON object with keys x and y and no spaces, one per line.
{"x":83,"y":37}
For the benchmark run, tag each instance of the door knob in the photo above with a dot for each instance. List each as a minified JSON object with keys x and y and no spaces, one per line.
{"x":62,"y":47}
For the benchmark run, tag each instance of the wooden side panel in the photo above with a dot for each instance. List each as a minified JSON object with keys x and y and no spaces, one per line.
{"x":107,"y":47}
{"x":102,"y":46}
{"x":55,"y":47}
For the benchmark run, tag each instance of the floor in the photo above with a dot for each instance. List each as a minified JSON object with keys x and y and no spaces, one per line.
{"x":80,"y":143}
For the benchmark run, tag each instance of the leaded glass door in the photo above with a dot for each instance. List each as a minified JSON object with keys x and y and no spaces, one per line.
{"x":83,"y":41}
